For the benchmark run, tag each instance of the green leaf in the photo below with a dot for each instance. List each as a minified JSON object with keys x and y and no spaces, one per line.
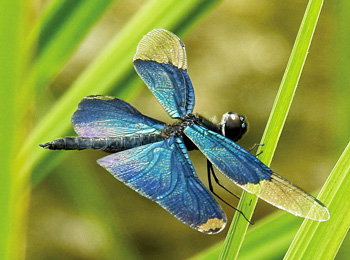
{"x":12,"y":130}
{"x":267,"y":239}
{"x":59,"y":31}
{"x":275,"y":123}
{"x":322,"y":240}
{"x":271,"y":237}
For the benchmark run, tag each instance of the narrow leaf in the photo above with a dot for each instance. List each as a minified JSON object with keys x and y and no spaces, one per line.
{"x":12,"y":66}
{"x":59,"y":31}
{"x":276,"y":121}
{"x":322,"y":240}
{"x":268,"y":238}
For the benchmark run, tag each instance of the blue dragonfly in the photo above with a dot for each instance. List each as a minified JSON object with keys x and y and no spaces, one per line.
{"x":152,"y":157}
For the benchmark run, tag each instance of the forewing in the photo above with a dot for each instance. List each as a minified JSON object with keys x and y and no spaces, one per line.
{"x":104,"y":116}
{"x":252,"y":175}
{"x":163,"y":172}
{"x":161,"y":62}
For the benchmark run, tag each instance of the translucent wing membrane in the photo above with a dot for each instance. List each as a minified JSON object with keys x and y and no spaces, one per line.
{"x":163,"y":172}
{"x":248,"y":172}
{"x":104,"y":116}
{"x":285,"y":195}
{"x":161,"y":62}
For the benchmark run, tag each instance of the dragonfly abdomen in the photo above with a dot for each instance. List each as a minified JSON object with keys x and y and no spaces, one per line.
{"x":109,"y":144}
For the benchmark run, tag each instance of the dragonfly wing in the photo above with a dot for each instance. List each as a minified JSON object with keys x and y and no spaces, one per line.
{"x":252,"y":175}
{"x":163,"y":172}
{"x":161,"y":62}
{"x":104,"y":116}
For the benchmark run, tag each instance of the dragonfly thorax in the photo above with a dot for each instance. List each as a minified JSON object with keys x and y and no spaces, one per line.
{"x":232,"y":126}
{"x":178,"y":127}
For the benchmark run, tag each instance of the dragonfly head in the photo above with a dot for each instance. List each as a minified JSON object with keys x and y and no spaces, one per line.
{"x":233,"y":126}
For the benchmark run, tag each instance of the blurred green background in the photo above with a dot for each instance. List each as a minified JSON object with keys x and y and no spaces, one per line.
{"x":237,"y":53}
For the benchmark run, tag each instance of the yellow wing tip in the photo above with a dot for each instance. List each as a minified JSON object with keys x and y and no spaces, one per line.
{"x":162,"y":46}
{"x":315,"y":211}
{"x":319,"y":213}
{"x":212,"y":226}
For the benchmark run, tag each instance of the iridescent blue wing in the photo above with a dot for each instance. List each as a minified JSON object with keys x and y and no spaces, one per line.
{"x":252,"y":175}
{"x":104,"y":116}
{"x":163,"y":172}
{"x":161,"y":62}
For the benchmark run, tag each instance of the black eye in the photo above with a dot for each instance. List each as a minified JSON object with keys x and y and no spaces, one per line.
{"x":233,"y":126}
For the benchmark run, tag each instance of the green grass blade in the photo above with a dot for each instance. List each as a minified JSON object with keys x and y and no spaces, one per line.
{"x":275,"y":123}
{"x":271,"y":238}
{"x":12,"y":130}
{"x":112,"y":65}
{"x":238,"y":228}
{"x":58,"y":33}
{"x":322,"y":240}
{"x":267,"y":239}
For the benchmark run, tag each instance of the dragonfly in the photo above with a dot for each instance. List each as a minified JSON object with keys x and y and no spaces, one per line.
{"x":152,"y":157}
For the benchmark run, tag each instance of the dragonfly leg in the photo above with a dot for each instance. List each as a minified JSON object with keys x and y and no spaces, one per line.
{"x":211,"y":173}
{"x":254,"y":147}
